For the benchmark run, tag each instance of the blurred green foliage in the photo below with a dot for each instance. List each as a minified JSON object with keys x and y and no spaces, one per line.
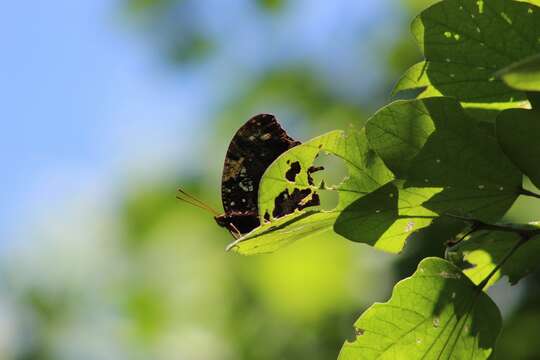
{"x":149,"y":279}
{"x":261,"y":308}
{"x":272,"y":5}
{"x":297,"y":91}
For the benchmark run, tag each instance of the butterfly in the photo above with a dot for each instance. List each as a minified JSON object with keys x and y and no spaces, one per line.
{"x":259,"y":142}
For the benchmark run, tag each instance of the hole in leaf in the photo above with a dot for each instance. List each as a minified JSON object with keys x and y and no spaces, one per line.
{"x":286,"y":203}
{"x":293,"y":171}
{"x":333,"y":174}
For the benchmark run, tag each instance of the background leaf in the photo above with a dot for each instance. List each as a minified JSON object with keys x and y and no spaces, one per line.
{"x":385,"y":218}
{"x":437,"y":313}
{"x":523,"y":75}
{"x":275,"y":179}
{"x":485,"y":249}
{"x":445,"y":165}
{"x":465,"y":42}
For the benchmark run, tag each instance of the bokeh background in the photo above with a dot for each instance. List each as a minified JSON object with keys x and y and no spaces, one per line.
{"x":108,"y":105}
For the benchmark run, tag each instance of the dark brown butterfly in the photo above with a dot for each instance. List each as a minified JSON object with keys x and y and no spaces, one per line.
{"x":252,"y":149}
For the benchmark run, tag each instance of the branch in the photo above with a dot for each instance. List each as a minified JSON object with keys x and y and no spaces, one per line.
{"x":484,"y":282}
{"x":525,"y":235}
{"x":478,"y":225}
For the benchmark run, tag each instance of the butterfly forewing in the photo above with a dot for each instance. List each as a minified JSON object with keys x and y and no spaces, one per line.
{"x":253,"y":148}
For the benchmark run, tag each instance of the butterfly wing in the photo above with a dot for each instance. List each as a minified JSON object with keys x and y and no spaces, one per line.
{"x":252,"y":149}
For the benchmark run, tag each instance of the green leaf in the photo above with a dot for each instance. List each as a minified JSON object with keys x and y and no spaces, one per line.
{"x":416,"y":78}
{"x":486,"y":114}
{"x":445,"y":165}
{"x":486,"y":249}
{"x":431,"y":143}
{"x":385,"y":218}
{"x":275,"y":179}
{"x":437,"y":313}
{"x":465,"y":42}
{"x":274,"y":235}
{"x":366,"y":171}
{"x":534,"y":2}
{"x":518,"y":131}
{"x":523,"y":75}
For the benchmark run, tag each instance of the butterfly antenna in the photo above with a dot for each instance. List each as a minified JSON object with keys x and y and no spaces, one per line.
{"x":190,"y":199}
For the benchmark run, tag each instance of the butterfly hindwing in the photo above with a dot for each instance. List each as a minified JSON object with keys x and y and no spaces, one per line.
{"x":252,"y":149}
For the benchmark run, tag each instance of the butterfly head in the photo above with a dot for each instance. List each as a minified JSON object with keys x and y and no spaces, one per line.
{"x":238,"y":222}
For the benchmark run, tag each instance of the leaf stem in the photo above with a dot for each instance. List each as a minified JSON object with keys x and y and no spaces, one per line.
{"x":478,"y":225}
{"x":521,"y":241}
{"x":525,"y":192}
{"x":451,"y":243}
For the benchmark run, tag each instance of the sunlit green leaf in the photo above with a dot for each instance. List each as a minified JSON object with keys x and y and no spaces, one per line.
{"x":281,"y":232}
{"x":465,"y":42}
{"x":437,"y":313}
{"x":486,"y":113}
{"x":385,"y":218}
{"x":366,"y":170}
{"x":446,"y":166}
{"x":431,"y":143}
{"x":416,"y":78}
{"x":523,"y":75}
{"x":486,"y":249}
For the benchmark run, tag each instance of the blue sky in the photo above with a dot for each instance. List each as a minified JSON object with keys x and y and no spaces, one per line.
{"x":85,"y":100}
{"x":79,"y":91}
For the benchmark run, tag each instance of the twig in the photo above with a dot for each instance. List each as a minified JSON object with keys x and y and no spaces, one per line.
{"x":484,"y":282}
{"x":478,"y":225}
